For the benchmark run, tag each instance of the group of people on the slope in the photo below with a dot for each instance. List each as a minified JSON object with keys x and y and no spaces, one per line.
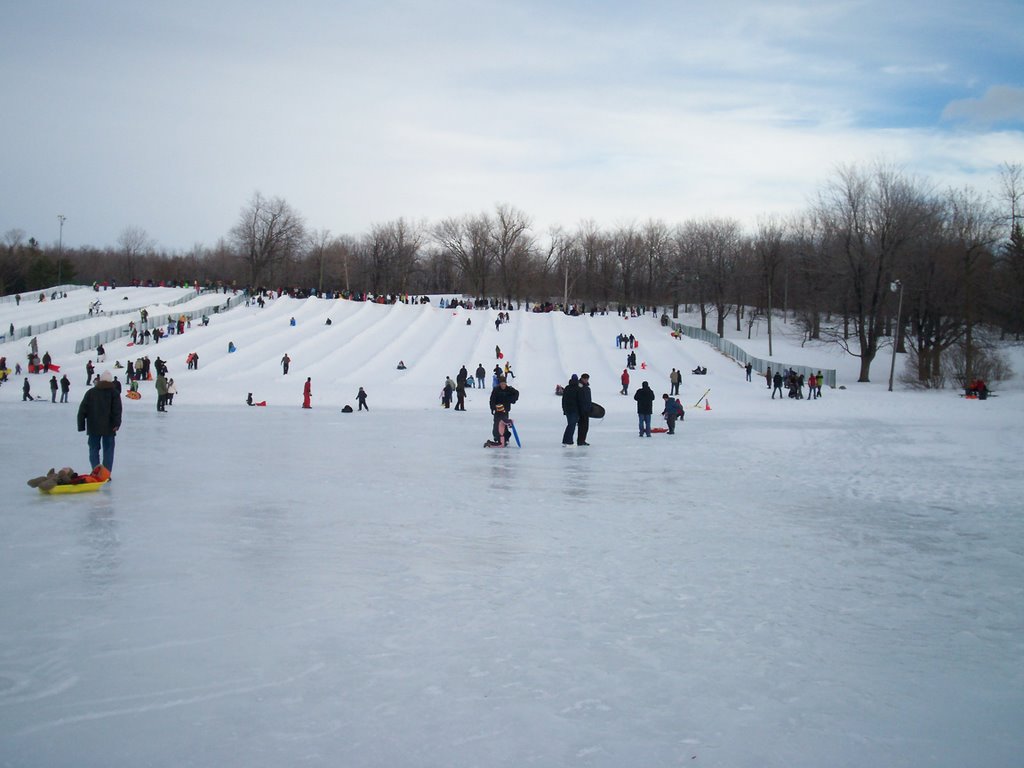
{"x":794,"y":383}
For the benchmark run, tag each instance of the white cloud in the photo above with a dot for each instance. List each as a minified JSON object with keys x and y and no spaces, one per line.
{"x":1001,"y":103}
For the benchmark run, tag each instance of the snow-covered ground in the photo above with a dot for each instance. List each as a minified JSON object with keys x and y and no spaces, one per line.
{"x":830,"y":582}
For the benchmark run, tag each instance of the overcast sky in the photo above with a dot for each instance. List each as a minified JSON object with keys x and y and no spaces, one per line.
{"x":169,"y":116}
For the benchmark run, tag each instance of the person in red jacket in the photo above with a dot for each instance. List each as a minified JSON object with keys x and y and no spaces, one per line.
{"x":307,"y":393}
{"x":625,"y":381}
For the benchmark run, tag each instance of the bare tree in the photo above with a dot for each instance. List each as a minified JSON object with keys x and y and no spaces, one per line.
{"x":322,"y":246}
{"x":268,"y":233}
{"x":512,"y":247}
{"x":133,"y":243}
{"x":716,"y":244}
{"x":768,"y":247}
{"x":656,"y":246}
{"x":1008,"y":290}
{"x":874,"y":218}
{"x":467,"y":241}
{"x":974,"y":231}
{"x":627,"y":249}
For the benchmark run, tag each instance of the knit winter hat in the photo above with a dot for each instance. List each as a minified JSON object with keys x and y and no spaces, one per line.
{"x":574,"y":377}
{"x":106,"y":376}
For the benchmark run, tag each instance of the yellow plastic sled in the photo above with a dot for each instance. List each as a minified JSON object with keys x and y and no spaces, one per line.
{"x":77,"y":488}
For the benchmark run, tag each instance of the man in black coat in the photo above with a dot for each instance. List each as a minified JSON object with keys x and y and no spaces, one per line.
{"x":585,"y":407}
{"x":571,"y":408}
{"x":644,"y":408}
{"x":460,"y":389}
{"x":502,"y":398}
{"x":100,"y":416}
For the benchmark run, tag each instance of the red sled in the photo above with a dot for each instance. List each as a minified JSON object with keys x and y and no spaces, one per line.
{"x":501,"y":355}
{"x":41,"y":369}
{"x":659,"y":429}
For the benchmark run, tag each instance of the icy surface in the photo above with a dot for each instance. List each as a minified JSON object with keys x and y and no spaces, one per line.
{"x":807,"y":583}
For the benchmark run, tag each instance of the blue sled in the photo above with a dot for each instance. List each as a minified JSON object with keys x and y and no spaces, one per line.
{"x":515,"y":434}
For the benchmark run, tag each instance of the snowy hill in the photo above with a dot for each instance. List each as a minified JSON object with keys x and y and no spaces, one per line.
{"x":787,"y":584}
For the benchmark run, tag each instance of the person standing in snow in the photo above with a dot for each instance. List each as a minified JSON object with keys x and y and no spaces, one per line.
{"x":65,"y":388}
{"x":307,"y":392}
{"x":361,"y":397}
{"x":54,"y":386}
{"x":644,"y":408}
{"x":673,"y":410}
{"x":460,"y":389}
{"x":586,"y":406}
{"x":625,"y":382}
{"x":99,"y":416}
{"x":777,"y":382}
{"x":675,"y":379}
{"x":502,"y":398}
{"x":161,"y":394}
{"x":89,"y":370}
{"x":481,"y":374}
{"x":285,"y":362}
{"x":571,"y":409}
{"x":26,"y":391}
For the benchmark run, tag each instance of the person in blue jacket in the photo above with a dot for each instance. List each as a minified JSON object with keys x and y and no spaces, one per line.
{"x":673,"y":410}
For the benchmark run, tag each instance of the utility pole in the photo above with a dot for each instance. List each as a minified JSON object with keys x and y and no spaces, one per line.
{"x":896,"y":284}
{"x":60,"y":249}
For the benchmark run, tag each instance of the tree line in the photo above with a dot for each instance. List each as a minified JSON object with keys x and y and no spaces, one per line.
{"x":873,"y":243}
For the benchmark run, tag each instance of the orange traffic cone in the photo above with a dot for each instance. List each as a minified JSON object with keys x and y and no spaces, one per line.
{"x":707,"y":404}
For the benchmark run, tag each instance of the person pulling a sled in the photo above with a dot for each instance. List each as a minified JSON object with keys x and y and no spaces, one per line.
{"x":502,"y":398}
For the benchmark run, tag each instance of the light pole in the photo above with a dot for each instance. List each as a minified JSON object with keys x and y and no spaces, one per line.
{"x":60,"y":249}
{"x":893,"y":286}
